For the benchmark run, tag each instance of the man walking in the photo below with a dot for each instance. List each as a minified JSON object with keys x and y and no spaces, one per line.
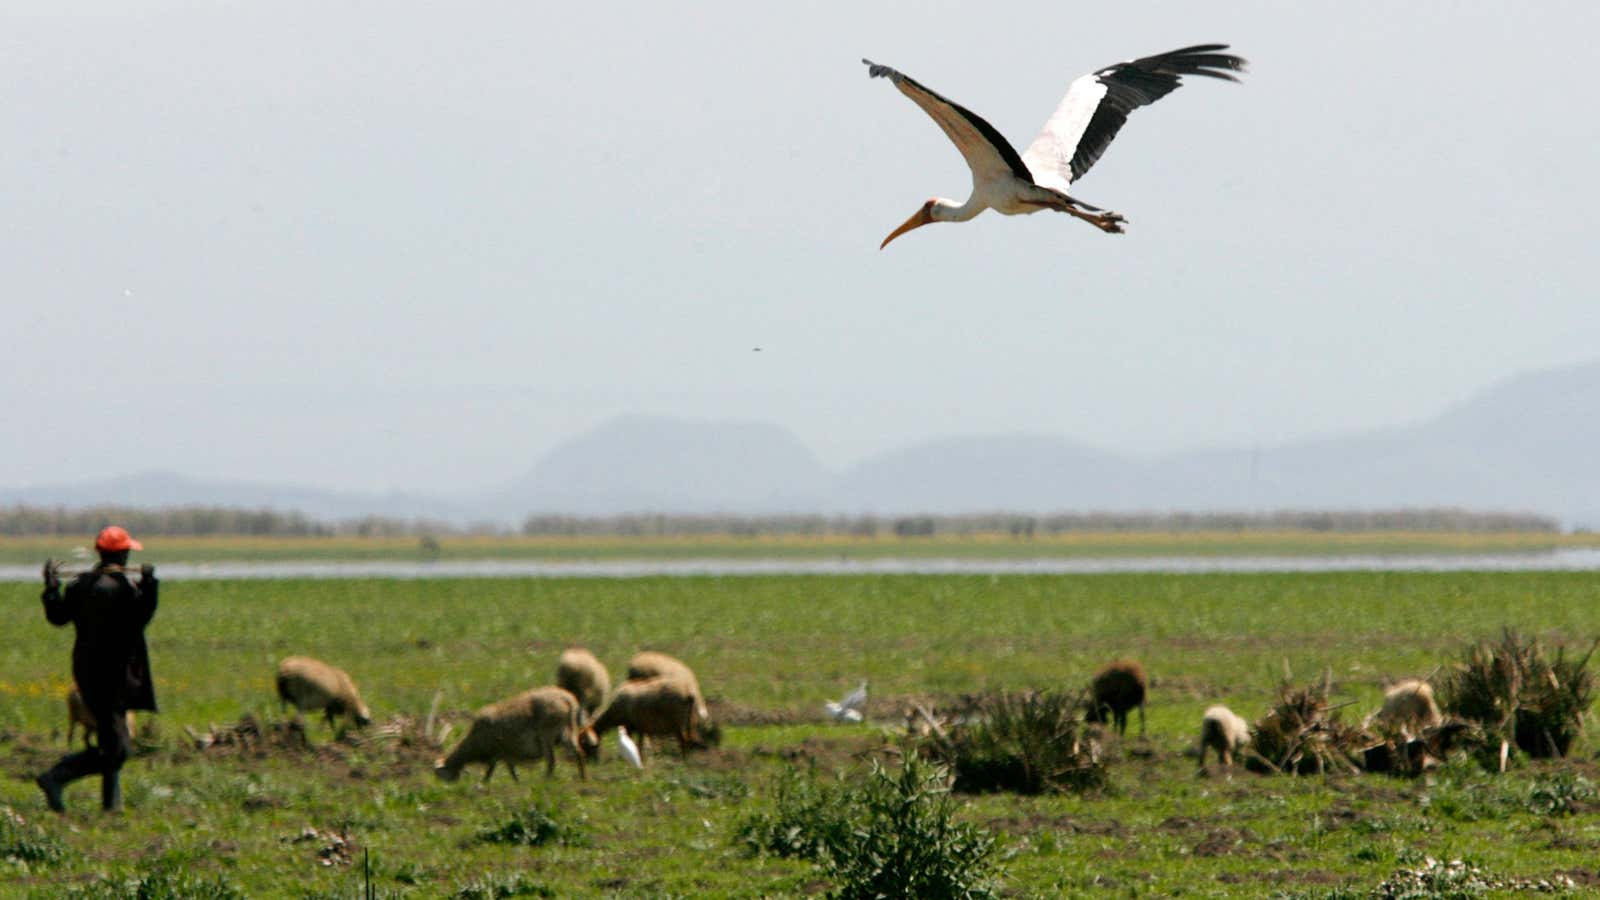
{"x":109,"y":660}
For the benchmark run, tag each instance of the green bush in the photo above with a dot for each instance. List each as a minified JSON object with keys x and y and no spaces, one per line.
{"x":1560,"y":794}
{"x":808,"y":816}
{"x":533,"y":827}
{"x":167,"y":879}
{"x":24,"y":842}
{"x":906,"y":843}
{"x":892,"y":836}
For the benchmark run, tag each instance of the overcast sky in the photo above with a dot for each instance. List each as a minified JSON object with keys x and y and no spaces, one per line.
{"x":398,"y":244}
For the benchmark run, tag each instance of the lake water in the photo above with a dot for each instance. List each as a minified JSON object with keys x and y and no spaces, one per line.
{"x":1572,"y":559}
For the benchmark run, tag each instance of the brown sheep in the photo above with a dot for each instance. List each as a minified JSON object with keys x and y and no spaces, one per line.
{"x":656,"y":707}
{"x":1223,"y":730}
{"x":311,"y":684}
{"x":649,"y":664}
{"x":528,"y":726}
{"x":78,"y":714}
{"x":1116,"y":689}
{"x":585,"y":678}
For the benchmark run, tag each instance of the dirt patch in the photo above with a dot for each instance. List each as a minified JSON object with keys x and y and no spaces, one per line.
{"x":1582,"y":877}
{"x":1569,"y":842}
{"x":1222,"y":842}
{"x":1186,"y":687}
{"x":1302,"y":876}
{"x":828,"y":753}
{"x":727,"y":713}
{"x":1036,"y":823}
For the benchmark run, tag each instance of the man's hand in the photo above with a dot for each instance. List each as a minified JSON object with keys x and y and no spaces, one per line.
{"x":147,"y":571}
{"x":52,"y":581}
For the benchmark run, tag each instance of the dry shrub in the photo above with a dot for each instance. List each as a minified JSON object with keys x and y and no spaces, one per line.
{"x":1305,"y":733}
{"x":250,"y":734}
{"x":1029,"y":743}
{"x":1393,"y":753}
{"x":1520,"y":696}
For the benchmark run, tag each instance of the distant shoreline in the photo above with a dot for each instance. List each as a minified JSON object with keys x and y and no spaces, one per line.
{"x":166,"y":551}
{"x":331,"y":558}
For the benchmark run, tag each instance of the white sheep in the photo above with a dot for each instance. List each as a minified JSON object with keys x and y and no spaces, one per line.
{"x":526,"y":727}
{"x":656,"y":707}
{"x":1409,"y":708}
{"x":311,"y":684}
{"x":78,"y":714}
{"x":584,"y":677}
{"x":1223,"y":730}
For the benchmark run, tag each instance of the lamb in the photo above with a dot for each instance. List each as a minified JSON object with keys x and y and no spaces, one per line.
{"x":525,"y":727}
{"x":1224,"y":731}
{"x":311,"y":684}
{"x":1409,"y":708}
{"x":664,"y":706}
{"x":1116,"y":689}
{"x":585,"y":678}
{"x":78,"y":714}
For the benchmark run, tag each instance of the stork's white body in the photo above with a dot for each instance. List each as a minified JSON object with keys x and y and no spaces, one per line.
{"x":1076,"y":134}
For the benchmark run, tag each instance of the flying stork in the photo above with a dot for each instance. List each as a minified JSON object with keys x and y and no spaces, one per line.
{"x":1075,"y":136}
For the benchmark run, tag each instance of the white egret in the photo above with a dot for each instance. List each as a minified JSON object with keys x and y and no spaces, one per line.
{"x":630,"y":750}
{"x":850,"y":708}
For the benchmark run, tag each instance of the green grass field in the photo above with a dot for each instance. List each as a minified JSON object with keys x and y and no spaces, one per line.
{"x":32,"y":550}
{"x":768,"y":650}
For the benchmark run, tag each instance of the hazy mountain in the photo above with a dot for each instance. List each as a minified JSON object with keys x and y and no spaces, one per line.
{"x":1524,"y":445}
{"x":652,"y":463}
{"x":158,"y":488}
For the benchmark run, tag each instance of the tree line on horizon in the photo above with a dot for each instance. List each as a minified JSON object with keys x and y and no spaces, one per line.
{"x":25,"y":520}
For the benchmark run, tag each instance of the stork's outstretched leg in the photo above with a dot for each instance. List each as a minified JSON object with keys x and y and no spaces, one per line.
{"x":1103,"y":219}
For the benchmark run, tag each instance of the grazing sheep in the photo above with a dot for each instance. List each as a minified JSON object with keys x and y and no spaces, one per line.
{"x":1224,"y":731}
{"x":664,"y":706}
{"x":1409,"y":708}
{"x":585,"y":678}
{"x":1116,"y":689}
{"x":311,"y":684}
{"x":649,"y":664}
{"x":525,"y":727}
{"x":78,"y":714}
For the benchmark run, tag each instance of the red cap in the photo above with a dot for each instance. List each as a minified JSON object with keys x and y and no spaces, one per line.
{"x":115,"y":537}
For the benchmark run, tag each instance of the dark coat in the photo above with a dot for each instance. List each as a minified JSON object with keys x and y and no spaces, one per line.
{"x":109,"y":659}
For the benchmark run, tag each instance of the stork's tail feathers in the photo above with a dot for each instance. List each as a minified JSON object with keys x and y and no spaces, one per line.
{"x":1201,"y":59}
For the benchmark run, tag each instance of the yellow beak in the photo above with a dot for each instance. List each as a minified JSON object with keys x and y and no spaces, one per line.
{"x":921,"y":218}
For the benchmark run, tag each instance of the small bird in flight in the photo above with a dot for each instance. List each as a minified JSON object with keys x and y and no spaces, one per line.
{"x":1089,"y":116}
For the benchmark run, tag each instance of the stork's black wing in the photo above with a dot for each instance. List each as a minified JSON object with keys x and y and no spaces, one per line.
{"x":1097,"y":105}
